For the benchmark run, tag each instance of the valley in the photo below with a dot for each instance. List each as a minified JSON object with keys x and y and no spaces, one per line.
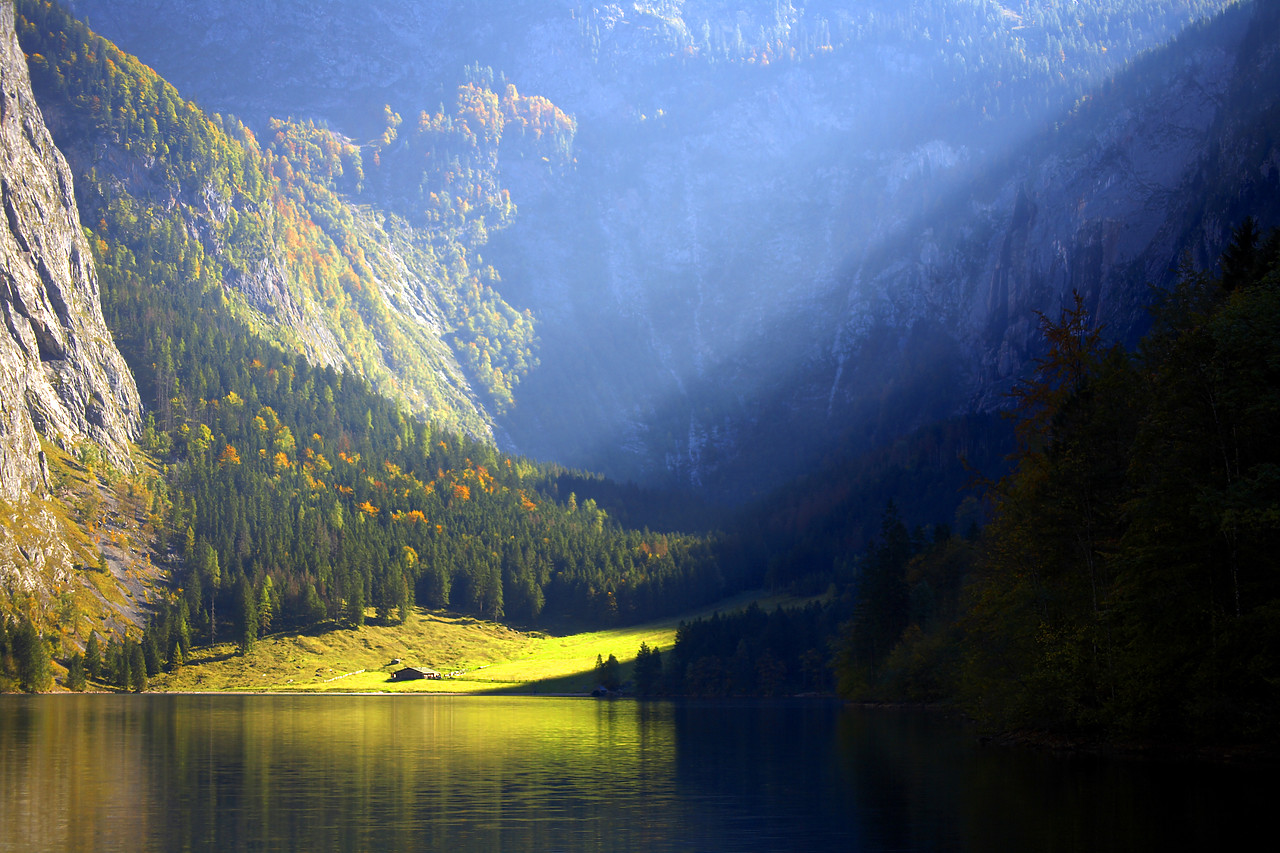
{"x":769,"y":208}
{"x":326,"y":349}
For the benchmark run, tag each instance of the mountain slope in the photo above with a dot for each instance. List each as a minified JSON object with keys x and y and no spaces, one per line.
{"x":228,"y":270}
{"x":1163,"y":161}
{"x":69,"y":407}
{"x":196,"y":197}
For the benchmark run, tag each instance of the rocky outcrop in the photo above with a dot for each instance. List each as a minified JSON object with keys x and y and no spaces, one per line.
{"x":61,"y":376}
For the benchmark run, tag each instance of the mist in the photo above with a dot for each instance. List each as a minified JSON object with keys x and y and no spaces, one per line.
{"x":785,"y":228}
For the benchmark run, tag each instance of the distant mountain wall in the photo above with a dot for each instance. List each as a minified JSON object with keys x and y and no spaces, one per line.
{"x":793,"y":229}
{"x":61,"y":376}
{"x":1156,"y":167}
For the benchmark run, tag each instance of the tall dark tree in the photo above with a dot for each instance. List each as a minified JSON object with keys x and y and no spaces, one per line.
{"x":75,"y":673}
{"x":1240,"y":260}
{"x":1041,"y":633}
{"x":31,"y":658}
{"x":608,"y":673}
{"x":882,"y":605}
{"x":246,"y":615}
{"x":92,"y":656}
{"x":648,"y":670}
{"x":135,"y":664}
{"x":1198,"y":590}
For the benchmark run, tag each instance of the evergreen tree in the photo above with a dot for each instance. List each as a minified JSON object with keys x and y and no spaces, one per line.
{"x":75,"y":673}
{"x":648,"y":670}
{"x":92,"y":656}
{"x":151,"y":650}
{"x":31,"y":658}
{"x":267,"y":605}
{"x":210,"y":573}
{"x":883,"y":607}
{"x":355,"y":600}
{"x":1041,"y":643}
{"x":608,"y":672}
{"x":136,"y":666}
{"x":313,"y":609}
{"x":111,"y":672}
{"x":246,"y":615}
{"x":1240,"y":260}
{"x":182,"y":630}
{"x":7,"y":669}
{"x":404,"y":598}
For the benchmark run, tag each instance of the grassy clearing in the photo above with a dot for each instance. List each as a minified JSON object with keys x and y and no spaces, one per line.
{"x":494,"y":658}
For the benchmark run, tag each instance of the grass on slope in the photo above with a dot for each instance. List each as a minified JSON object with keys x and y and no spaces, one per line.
{"x":79,"y":559}
{"x":492,"y":658}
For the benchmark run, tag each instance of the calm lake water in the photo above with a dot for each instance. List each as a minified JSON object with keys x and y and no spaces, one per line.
{"x":382,"y":773}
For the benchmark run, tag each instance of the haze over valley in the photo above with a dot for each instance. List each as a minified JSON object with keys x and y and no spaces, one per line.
{"x":778,"y":229}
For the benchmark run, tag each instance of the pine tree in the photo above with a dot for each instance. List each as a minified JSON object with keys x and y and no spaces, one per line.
{"x":247,"y":615}
{"x":211,"y":575}
{"x":75,"y":673}
{"x":6,"y":651}
{"x":648,"y":670}
{"x":151,"y":650}
{"x":608,"y":672}
{"x":136,"y":667}
{"x":313,"y":609}
{"x":267,"y":605}
{"x":1040,"y":649}
{"x":92,"y":656}
{"x":31,"y":658}
{"x":355,"y":601}
{"x":404,"y":596}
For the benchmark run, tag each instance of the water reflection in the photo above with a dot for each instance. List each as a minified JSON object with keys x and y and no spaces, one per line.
{"x":487,"y":773}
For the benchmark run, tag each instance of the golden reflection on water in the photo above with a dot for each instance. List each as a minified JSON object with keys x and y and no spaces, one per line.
{"x":384,"y":773}
{"x":106,"y":772}
{"x":71,"y":781}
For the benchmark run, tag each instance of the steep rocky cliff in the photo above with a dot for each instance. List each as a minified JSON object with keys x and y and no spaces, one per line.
{"x":61,"y":376}
{"x":1159,"y":166}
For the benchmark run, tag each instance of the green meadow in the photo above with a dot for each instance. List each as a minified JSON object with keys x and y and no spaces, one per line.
{"x":490,"y":657}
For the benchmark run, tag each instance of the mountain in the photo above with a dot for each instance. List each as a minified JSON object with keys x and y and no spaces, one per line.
{"x":194,"y":197}
{"x":770,"y":205}
{"x":286,"y":476}
{"x":61,"y":377}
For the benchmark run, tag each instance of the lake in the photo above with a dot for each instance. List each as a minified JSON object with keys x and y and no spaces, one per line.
{"x":382,"y":773}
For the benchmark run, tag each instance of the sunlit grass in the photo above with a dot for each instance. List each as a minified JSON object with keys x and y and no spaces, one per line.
{"x":491,"y":657}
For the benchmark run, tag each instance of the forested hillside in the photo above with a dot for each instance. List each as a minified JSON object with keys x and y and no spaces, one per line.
{"x":411,"y":308}
{"x":1125,"y":587}
{"x":1128,"y":581}
{"x":292,"y":494}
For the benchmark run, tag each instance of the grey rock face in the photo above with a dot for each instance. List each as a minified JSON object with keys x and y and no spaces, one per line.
{"x":61,"y":376}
